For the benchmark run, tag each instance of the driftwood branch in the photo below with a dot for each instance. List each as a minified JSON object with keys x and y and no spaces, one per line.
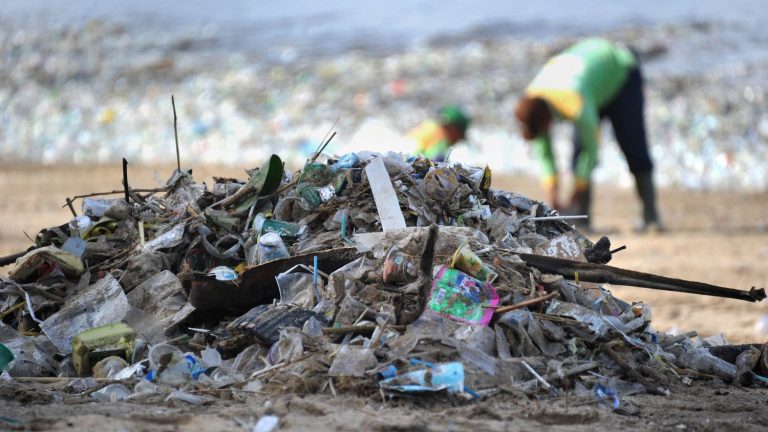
{"x":125,"y":180}
{"x":650,"y":387}
{"x":114,"y":192}
{"x":526,"y":303}
{"x":599,"y":273}
{"x":358,"y":329}
{"x":424,"y":281}
{"x":71,"y":207}
{"x":176,"y":134}
{"x":10,"y":259}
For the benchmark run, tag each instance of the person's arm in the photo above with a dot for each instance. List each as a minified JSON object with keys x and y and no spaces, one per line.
{"x":542,"y":147}
{"x":587,"y":128}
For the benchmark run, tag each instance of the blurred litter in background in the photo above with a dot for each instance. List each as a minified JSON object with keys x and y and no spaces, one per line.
{"x":97,"y":91}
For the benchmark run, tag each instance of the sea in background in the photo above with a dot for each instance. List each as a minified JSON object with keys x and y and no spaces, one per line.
{"x":90,"y":81}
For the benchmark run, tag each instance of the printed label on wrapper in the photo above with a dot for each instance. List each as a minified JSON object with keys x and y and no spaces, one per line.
{"x":462,"y":298}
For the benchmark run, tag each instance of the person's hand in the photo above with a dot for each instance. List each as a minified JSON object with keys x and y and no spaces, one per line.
{"x":552,"y":197}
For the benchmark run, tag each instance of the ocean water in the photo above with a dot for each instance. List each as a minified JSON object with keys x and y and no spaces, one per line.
{"x":317,"y":28}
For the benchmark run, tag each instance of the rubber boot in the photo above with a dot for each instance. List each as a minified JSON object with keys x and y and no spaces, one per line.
{"x":647,"y":193}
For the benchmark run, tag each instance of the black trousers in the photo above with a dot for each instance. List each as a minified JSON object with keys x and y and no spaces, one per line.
{"x":626,"y":113}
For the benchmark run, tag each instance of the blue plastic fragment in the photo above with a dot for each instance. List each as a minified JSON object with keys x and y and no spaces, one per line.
{"x":760,"y":378}
{"x":349,"y":160}
{"x":444,"y":376}
{"x":195,"y":368}
{"x":605,"y":394}
{"x":388,"y":372}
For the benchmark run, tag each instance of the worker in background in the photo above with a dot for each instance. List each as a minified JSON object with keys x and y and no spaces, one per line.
{"x":434,"y":138}
{"x":589,"y":81}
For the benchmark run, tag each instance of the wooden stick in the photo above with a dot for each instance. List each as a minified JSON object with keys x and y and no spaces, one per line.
{"x":600,"y":273}
{"x":560,"y":320}
{"x":618,"y":249}
{"x":114,"y":192}
{"x":526,"y":303}
{"x":424,"y":282}
{"x":176,"y":134}
{"x":10,"y":259}
{"x":571,"y":371}
{"x":71,"y":207}
{"x":650,"y":387}
{"x":280,"y":190}
{"x":536,"y":374}
{"x":136,"y":197}
{"x":358,"y":329}
{"x":125,"y":180}
{"x":51,"y":380}
{"x":554,"y":376}
{"x":679,"y":338}
{"x":320,"y":151}
{"x":12,"y":309}
{"x":277,"y":366}
{"x":321,"y":146}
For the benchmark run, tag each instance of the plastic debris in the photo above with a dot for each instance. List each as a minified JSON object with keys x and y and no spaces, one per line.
{"x":446,"y":376}
{"x":112,"y":393}
{"x":271,"y":247}
{"x":462,"y":298}
{"x":109,"y":367}
{"x":333,"y":277}
{"x":27,"y":265}
{"x":118,"y":338}
{"x":467,"y":261}
{"x":266,"y":423}
{"x":607,"y":395}
{"x":387,"y":205}
{"x":352,"y":361}
{"x":223,"y":273}
{"x":100,"y":304}
{"x":6,"y":356}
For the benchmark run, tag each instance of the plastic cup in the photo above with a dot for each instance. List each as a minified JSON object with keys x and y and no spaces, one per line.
{"x":271,"y":247}
{"x":468,"y":262}
{"x":6,"y":356}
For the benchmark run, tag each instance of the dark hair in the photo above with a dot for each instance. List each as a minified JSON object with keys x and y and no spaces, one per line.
{"x":534,"y":116}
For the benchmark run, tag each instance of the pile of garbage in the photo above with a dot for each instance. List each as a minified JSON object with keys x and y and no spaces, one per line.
{"x":366,"y":273}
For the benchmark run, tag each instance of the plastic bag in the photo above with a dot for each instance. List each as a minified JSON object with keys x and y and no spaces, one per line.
{"x":462,"y":297}
{"x":100,"y":304}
